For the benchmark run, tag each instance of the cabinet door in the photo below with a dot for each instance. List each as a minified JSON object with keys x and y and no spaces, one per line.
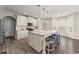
{"x":61,"y":24}
{"x":21,"y":20}
{"x":32,"y":20}
{"x":35,"y":41}
{"x":70,"y":24}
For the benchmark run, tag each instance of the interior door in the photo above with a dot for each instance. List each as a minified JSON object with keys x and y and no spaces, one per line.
{"x":8,"y":27}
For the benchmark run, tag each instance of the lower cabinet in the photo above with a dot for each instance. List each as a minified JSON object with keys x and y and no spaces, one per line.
{"x":21,"y":34}
{"x":35,"y":41}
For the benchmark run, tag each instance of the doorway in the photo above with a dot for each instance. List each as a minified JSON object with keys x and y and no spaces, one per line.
{"x":9,"y":27}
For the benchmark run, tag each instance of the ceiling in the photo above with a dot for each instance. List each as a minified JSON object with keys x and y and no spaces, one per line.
{"x":32,"y":10}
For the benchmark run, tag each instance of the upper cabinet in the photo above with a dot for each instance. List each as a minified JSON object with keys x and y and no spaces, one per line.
{"x":21,"y":25}
{"x":70,"y":19}
{"x":21,"y":20}
{"x":61,"y":24}
{"x":70,"y":24}
{"x":32,"y":20}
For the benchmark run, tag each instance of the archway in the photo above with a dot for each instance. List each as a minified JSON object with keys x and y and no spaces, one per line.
{"x":9,"y":26}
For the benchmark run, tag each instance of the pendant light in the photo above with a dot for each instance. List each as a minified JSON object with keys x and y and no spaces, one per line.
{"x":38,"y":10}
{"x":39,"y":24}
{"x":46,"y":13}
{"x":47,"y":16}
{"x":43,"y":12}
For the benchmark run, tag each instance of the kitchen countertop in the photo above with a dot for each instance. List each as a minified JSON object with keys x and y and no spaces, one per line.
{"x":41,"y":32}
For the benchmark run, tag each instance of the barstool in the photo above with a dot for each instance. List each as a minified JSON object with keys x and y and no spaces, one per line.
{"x":50,"y":47}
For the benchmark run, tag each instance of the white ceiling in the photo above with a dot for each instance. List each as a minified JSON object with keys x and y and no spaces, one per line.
{"x":32,"y":10}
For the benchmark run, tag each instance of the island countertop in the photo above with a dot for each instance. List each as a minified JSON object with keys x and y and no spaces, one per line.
{"x":41,"y":32}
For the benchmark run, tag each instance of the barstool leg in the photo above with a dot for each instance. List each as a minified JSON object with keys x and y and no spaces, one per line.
{"x":48,"y":49}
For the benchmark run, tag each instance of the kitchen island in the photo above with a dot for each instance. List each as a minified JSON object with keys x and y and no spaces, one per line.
{"x":36,"y":39}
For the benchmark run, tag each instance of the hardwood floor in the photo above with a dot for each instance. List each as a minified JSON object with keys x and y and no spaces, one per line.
{"x":67,"y":46}
{"x":17,"y":47}
{"x":11,"y":46}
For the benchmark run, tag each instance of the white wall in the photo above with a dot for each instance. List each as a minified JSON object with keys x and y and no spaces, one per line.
{"x":6,"y":13}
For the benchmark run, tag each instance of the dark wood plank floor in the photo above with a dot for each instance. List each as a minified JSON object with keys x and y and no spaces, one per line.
{"x":67,"y":46}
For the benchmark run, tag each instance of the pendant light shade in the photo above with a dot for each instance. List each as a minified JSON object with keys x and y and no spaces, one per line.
{"x":39,"y":20}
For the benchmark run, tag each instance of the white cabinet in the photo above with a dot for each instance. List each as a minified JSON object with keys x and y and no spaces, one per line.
{"x":61,"y":25}
{"x":21,"y":25}
{"x":67,"y":25}
{"x":35,"y":41}
{"x":70,"y":24}
{"x":32,"y":20}
{"x":21,"y":20}
{"x":22,"y":34}
{"x":64,"y":25}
